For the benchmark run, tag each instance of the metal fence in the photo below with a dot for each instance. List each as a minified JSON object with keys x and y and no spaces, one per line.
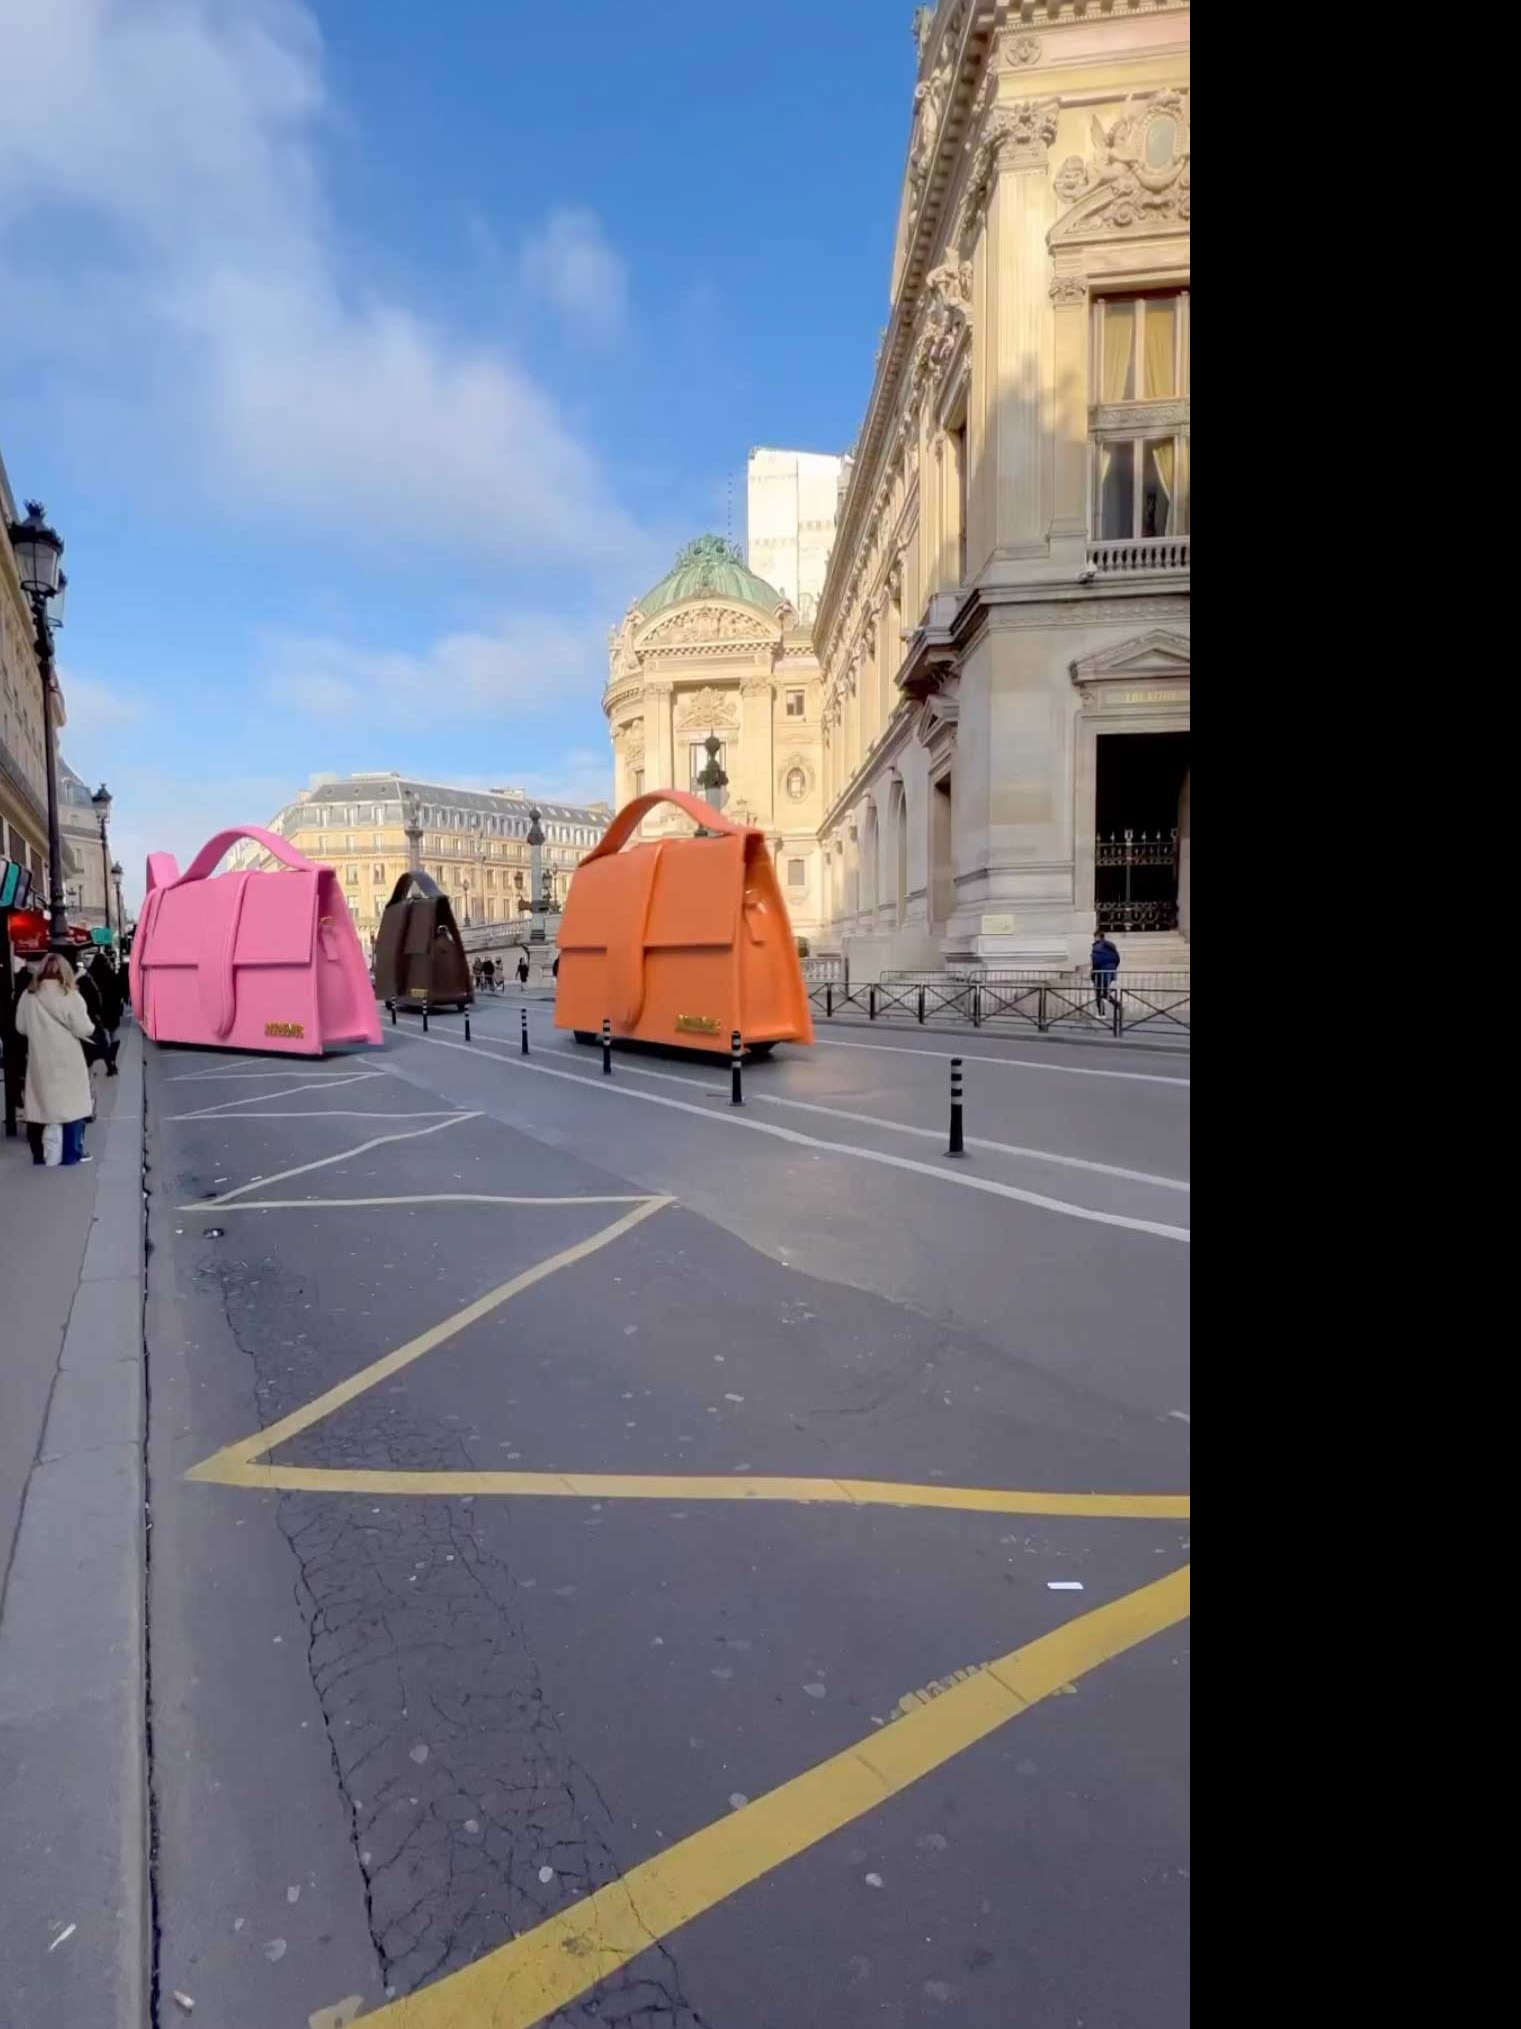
{"x":1048,"y":1002}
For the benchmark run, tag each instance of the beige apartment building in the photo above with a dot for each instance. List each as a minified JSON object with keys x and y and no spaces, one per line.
{"x":1003,"y":633}
{"x":23,"y":768}
{"x":474,"y":842}
{"x":92,"y":895}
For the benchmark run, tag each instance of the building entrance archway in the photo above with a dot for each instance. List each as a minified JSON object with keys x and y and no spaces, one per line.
{"x":1141,"y":786}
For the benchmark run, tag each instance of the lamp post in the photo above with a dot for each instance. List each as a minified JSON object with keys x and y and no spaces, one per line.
{"x":411,"y":824}
{"x":121,"y":913}
{"x":535,"y":872}
{"x":39,"y":551}
{"x":711,"y":779}
{"x":101,"y":803}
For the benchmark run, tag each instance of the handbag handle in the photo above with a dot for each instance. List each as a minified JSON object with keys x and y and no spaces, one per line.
{"x":624,"y":825}
{"x":281,"y":849}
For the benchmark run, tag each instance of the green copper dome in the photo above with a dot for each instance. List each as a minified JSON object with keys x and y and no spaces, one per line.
{"x":711,"y":568}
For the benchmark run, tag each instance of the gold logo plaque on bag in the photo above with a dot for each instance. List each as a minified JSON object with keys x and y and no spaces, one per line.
{"x":697,"y":1025}
{"x":285,"y":1028}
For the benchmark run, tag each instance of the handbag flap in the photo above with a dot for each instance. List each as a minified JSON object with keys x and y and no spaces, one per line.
{"x":278,"y":919}
{"x":603,"y":898}
{"x":697,"y":893}
{"x":190,"y":921}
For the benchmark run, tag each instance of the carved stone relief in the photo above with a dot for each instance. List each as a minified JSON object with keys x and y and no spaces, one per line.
{"x":1068,"y":289}
{"x":1014,"y":136}
{"x":929,"y":110}
{"x":1019,"y":50}
{"x":1137,"y":178}
{"x":707,"y":707}
{"x":708,"y":623}
{"x":947,"y":312}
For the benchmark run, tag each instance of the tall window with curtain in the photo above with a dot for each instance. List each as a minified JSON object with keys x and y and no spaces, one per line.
{"x":1139,"y":419}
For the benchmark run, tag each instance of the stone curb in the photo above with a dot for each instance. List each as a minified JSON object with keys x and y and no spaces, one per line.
{"x":73,"y":1764}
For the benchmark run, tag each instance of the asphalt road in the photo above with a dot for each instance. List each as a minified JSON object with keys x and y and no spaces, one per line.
{"x":779,"y":1522}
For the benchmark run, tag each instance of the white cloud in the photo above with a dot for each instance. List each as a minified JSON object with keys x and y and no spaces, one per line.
{"x":570,"y":263}
{"x":92,"y":707}
{"x":581,"y":775}
{"x":184,"y":137}
{"x":533,"y":663}
{"x":161,"y":810}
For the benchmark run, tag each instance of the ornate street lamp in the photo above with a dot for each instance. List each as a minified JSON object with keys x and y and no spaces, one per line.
{"x":536,"y":872}
{"x":712,"y":780}
{"x":411,"y":824}
{"x":101,"y":802}
{"x":121,"y":913}
{"x":39,"y":553}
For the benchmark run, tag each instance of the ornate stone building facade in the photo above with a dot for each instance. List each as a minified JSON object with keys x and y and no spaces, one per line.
{"x":714,"y":650}
{"x":1003,"y":633}
{"x":88,"y":888}
{"x":474,"y":842}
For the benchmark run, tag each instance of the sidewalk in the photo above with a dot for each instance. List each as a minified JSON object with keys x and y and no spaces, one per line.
{"x":74,"y":1916}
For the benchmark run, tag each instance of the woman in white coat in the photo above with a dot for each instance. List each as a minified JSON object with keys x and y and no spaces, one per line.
{"x":52,"y":1016}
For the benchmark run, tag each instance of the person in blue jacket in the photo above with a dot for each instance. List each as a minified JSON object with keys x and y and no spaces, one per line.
{"x":1104,"y":963}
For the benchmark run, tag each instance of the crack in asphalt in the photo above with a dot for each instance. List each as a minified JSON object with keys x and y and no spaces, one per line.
{"x":459,"y":1782}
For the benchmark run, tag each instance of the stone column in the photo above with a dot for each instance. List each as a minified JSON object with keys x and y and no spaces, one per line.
{"x":1010,"y":438}
{"x":657,"y":732}
{"x":752,"y":773}
{"x":1069,"y":504}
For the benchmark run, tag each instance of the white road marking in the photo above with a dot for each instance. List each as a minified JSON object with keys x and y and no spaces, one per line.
{"x":419,"y":1198}
{"x":325,"y":1113}
{"x":287,"y":1069}
{"x":721,"y":1092}
{"x":1181,"y":1415}
{"x":1108,"y":1169}
{"x":326,"y":1161}
{"x":733,"y":1118}
{"x":1009,"y":1063}
{"x":283,"y":1092}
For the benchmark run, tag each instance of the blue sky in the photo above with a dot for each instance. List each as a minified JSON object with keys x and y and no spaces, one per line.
{"x":370,"y":357}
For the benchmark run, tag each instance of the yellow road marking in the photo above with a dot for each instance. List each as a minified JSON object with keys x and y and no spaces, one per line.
{"x":327,"y":1161}
{"x":552,"y":1965}
{"x":633,"y":1486}
{"x":223,"y":1464}
{"x":418,"y":1198}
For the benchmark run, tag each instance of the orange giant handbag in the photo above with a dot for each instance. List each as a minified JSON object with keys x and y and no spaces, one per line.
{"x":681,"y":940}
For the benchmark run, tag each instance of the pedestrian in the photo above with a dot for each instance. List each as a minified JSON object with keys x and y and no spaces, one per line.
{"x":523,"y":970}
{"x":102,"y":996}
{"x":488,"y":969}
{"x":554,"y":969}
{"x":1103,"y":963}
{"x":57,"y":1025}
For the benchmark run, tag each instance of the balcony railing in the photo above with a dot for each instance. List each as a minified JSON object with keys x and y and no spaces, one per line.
{"x":1151,"y":553}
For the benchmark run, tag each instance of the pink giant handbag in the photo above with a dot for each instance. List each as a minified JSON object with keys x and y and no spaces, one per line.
{"x":250,"y":960}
